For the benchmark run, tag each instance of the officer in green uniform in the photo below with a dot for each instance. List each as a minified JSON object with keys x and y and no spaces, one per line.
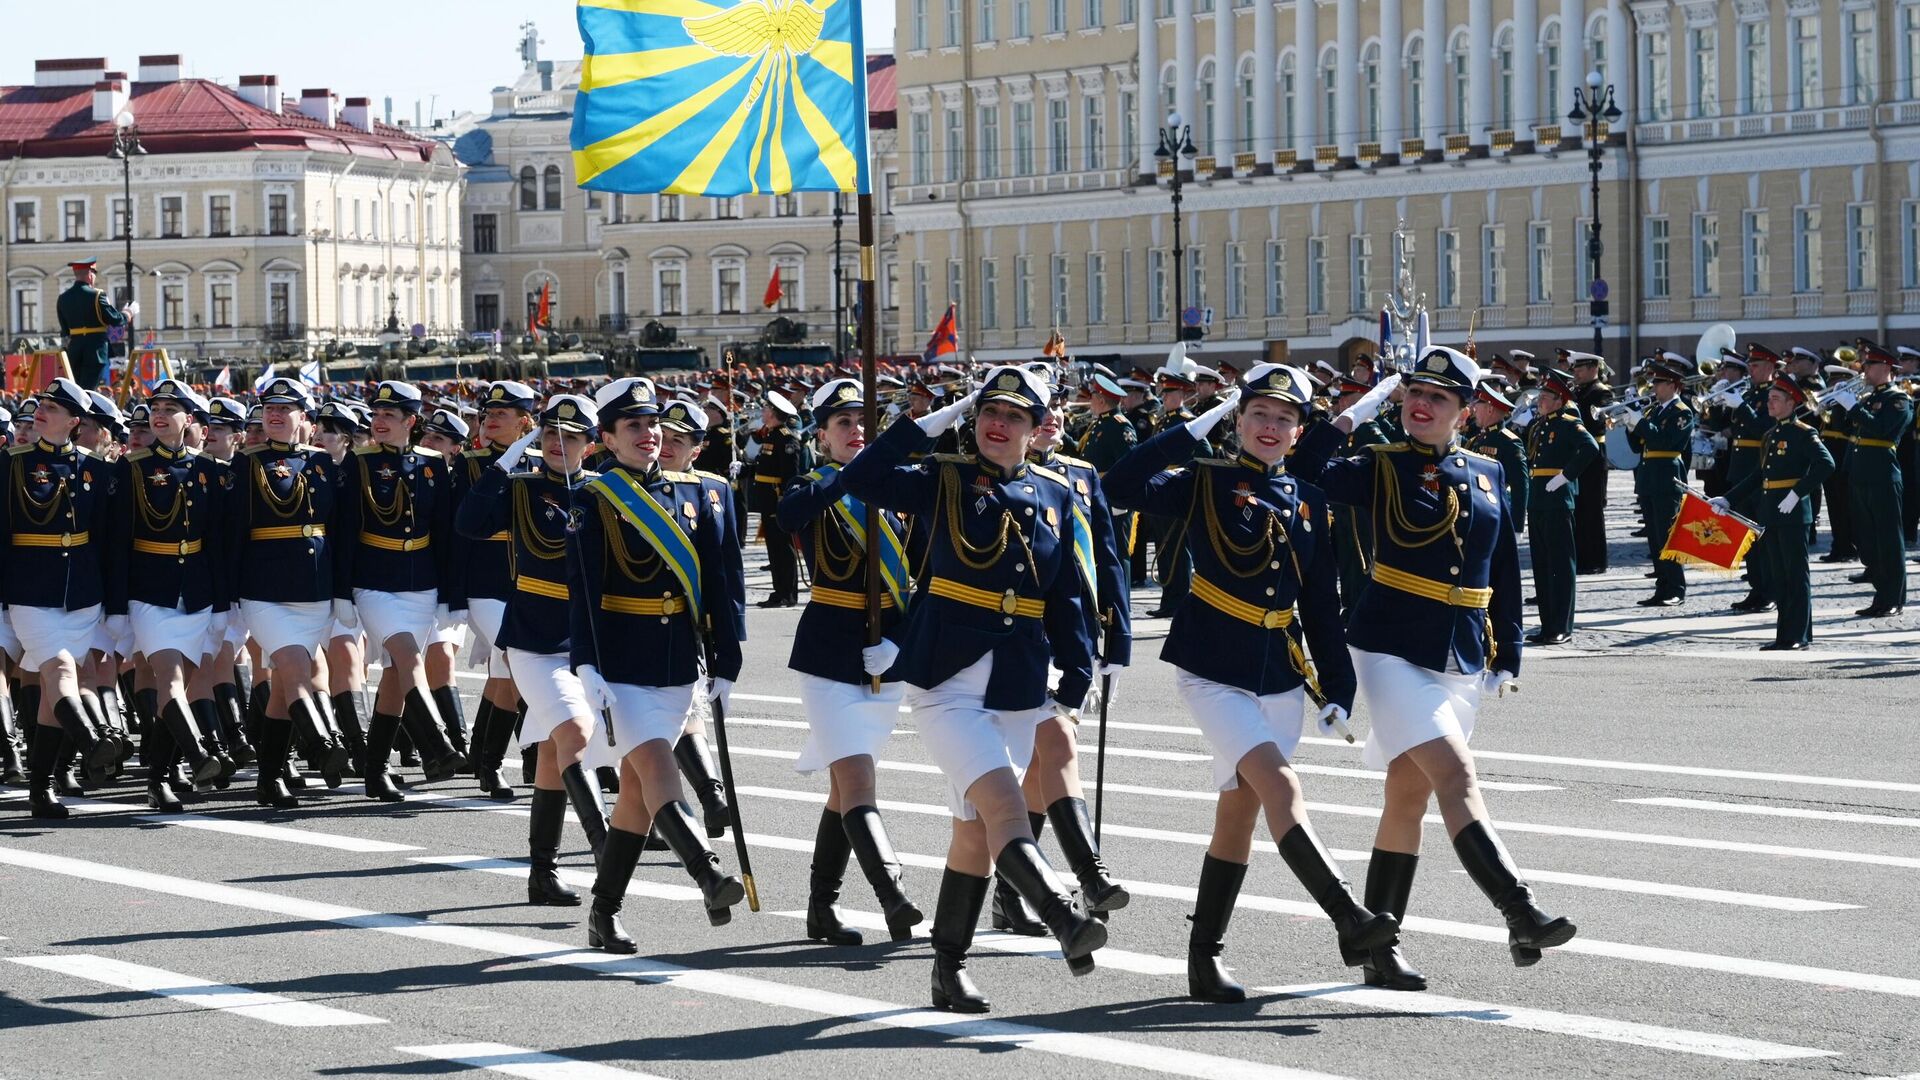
{"x":1836,"y":430}
{"x":1875,"y":481}
{"x":1559,"y":447}
{"x":1793,"y":464}
{"x":1493,"y":438}
{"x":1749,"y":426}
{"x":1172,"y":566}
{"x":1661,"y":436}
{"x":1591,"y":394}
{"x":85,"y":314}
{"x":1109,"y":438}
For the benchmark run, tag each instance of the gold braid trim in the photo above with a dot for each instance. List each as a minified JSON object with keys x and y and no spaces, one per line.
{"x":1261,"y":550}
{"x":620,"y":556}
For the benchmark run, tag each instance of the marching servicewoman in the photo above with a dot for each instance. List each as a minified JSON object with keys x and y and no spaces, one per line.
{"x":1559,"y":449}
{"x":336,"y":426}
{"x":482,"y":569}
{"x":1052,"y":781}
{"x":1880,"y":418}
{"x":1661,"y":437}
{"x":53,"y":516}
{"x":1793,"y":464}
{"x":1263,"y":559}
{"x":776,"y":455}
{"x":849,"y":716}
{"x":1001,"y":597}
{"x":226,"y":419}
{"x":446,"y":434}
{"x":535,"y":508}
{"x":168,"y":578}
{"x":648,"y":568}
{"x":1437,"y":632}
{"x":394,"y":505}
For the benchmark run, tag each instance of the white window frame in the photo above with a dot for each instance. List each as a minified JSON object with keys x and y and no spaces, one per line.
{"x":1659,"y":248}
{"x":660,"y":268}
{"x":989,"y":294}
{"x":738,"y":264}
{"x":1316,"y":275}
{"x":1808,"y":250}
{"x":231,"y":281}
{"x":37,"y":231}
{"x":1022,"y":291}
{"x":1756,"y":67}
{"x":1446,"y":268}
{"x":1756,"y":228}
{"x":1862,"y":249}
{"x":1539,"y":262}
{"x":1359,"y":271}
{"x":1706,"y":254}
{"x":1096,"y":288}
{"x":1703,"y":71}
{"x":1493,"y":265}
{"x":1276,"y":278}
{"x":1236,"y":283}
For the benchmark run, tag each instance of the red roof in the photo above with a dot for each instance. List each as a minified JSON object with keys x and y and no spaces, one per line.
{"x":189,"y":116}
{"x":882,"y":76}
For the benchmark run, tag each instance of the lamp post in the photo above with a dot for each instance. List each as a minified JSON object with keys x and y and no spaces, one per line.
{"x":1176,"y":142}
{"x":1595,"y":108}
{"x":126,"y":147}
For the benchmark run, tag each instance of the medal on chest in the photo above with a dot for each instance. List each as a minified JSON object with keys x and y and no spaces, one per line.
{"x":1430,"y":479}
{"x":386,"y":472}
{"x":159,"y":478}
{"x":1243,"y":498}
{"x":42,"y":476}
{"x":281,"y":470}
{"x":982,"y":489}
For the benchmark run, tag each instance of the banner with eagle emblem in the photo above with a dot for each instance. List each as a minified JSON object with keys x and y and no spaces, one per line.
{"x":730,"y":97}
{"x":1700,"y":537}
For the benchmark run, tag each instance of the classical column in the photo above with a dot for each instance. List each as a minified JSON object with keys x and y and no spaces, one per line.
{"x":1346,"y":68}
{"x":1226,"y":88}
{"x":1526,"y":69}
{"x":1186,"y":64}
{"x":1433,"y":90}
{"x":1620,"y":53}
{"x":1150,"y":114}
{"x":1393,"y":44}
{"x":1573,"y":65}
{"x":1480,"y":73}
{"x":1265,"y":88}
{"x":1306,"y":66}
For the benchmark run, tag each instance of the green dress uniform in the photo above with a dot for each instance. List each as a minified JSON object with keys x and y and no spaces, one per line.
{"x":1836,"y":430}
{"x":1504,"y":445}
{"x":1661,"y":438}
{"x":780,"y":459}
{"x":1793,"y":461}
{"x":1750,"y":424}
{"x":85,"y":314}
{"x":1874,"y":487}
{"x":1590,"y":505}
{"x":1109,"y":438}
{"x":1557,"y":445}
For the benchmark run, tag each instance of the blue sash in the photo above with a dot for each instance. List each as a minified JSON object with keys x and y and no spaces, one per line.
{"x":654,"y":523}
{"x":893,"y":554}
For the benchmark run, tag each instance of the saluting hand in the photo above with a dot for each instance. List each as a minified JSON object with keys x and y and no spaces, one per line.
{"x":510,"y":458}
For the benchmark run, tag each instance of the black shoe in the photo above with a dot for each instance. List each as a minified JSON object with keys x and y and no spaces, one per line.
{"x":206,"y":717}
{"x":1784,"y":646}
{"x":697,"y":765}
{"x":954,"y":917}
{"x":100,"y":756}
{"x":619,"y":854}
{"x":830,"y":852}
{"x":206,"y":769}
{"x":674,"y":822}
{"x":1389,"y":885}
{"x":1021,"y":864}
{"x":1160,"y":613}
{"x":1544,"y":638}
{"x":1529,"y":929}
{"x":1875,"y":611}
{"x":1010,"y":914}
{"x":1360,"y":930}
{"x":774,"y":601}
{"x":231,"y":720}
{"x":1070,"y":823}
{"x":1207,"y":978}
{"x":42,"y":800}
{"x":453,"y":718}
{"x":544,"y":887}
{"x":1651,"y":574}
{"x":654,"y":843}
{"x":1661,"y":601}
{"x":1533,"y":601}
{"x":1642,"y":531}
{"x":1861,"y":578}
{"x":1835,"y":556}
{"x":270,"y":787}
{"x":492,"y":731}
{"x":439,"y":760}
{"x":588,"y":808}
{"x":868,"y":839}
{"x":160,"y":798}
{"x":1589,"y":571}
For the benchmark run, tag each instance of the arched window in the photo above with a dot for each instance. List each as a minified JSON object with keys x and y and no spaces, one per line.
{"x":1503,"y":84}
{"x":1597,"y":51}
{"x":529,"y":188}
{"x":1460,"y":78}
{"x":1169,"y":93}
{"x":1204,"y":128}
{"x":1553,"y":94}
{"x":1330,"y":96}
{"x":1289,"y":95}
{"x":550,"y":182}
{"x":1370,"y":79}
{"x":1245,"y":83}
{"x":1415,"y":65}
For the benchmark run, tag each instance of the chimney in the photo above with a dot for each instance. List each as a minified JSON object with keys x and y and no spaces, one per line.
{"x":358,"y":114}
{"x":317,"y":105}
{"x":163,"y":68}
{"x":261,"y":91}
{"x":81,"y":72}
{"x":109,"y":97}
{"x":502,"y":101}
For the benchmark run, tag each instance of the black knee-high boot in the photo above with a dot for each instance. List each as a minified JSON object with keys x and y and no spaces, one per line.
{"x":346,"y":715}
{"x":233,"y":726}
{"x":492,"y":732}
{"x":619,"y":854}
{"x":206,"y":717}
{"x":175,"y":720}
{"x":1011,"y":914}
{"x":329,"y":750}
{"x":1021,"y":863}
{"x":271,"y":788}
{"x":1389,"y":886}
{"x":1097,"y":887}
{"x":101,"y":757}
{"x":453,"y":717}
{"x":955,"y":915}
{"x":12,"y":768}
{"x":1529,"y":929}
{"x":373,"y":767}
{"x":157,"y":754}
{"x":1360,"y":930}
{"x":588,"y":808}
{"x":42,"y":798}
{"x":438,"y":758}
{"x":696,"y":764}
{"x":830,"y":852}
{"x":1207,"y":978}
{"x":881,"y":867}
{"x":257,"y":710}
{"x":146,"y":716}
{"x":543,"y":851}
{"x":674,"y":823}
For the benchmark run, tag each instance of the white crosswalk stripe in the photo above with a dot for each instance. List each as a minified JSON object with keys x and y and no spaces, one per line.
{"x":235,"y":1000}
{"x":514,"y":1061}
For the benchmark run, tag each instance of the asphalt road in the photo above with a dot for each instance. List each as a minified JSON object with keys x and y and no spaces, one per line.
{"x":1737,"y":834}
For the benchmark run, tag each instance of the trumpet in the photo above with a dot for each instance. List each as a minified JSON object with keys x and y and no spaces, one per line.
{"x":1738,"y":386}
{"x":1637,"y":402}
{"x":1854,"y":388}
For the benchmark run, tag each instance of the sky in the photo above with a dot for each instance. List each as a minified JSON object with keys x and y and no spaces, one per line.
{"x":448,"y":57}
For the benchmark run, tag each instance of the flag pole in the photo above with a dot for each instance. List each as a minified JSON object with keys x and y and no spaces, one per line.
{"x":863,"y":211}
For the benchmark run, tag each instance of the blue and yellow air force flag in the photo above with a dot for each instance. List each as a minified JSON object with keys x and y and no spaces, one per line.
{"x":724,"y":98}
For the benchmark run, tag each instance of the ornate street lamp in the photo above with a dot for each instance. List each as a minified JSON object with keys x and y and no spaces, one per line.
{"x":1176,"y":142}
{"x":1594,"y":107}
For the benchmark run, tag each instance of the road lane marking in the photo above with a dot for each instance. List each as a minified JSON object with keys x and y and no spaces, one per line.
{"x":1098,"y":1049}
{"x":173,"y":986}
{"x":237,"y":827}
{"x":1678,"y":1040}
{"x":1779,"y":811}
{"x":516,"y":1061}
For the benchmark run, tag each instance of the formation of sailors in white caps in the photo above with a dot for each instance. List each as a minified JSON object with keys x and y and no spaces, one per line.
{"x":599,"y":569}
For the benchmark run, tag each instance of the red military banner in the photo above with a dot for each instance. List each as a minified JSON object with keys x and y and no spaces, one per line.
{"x":1702,"y":537}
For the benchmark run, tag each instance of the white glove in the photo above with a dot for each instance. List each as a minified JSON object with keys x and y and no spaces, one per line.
{"x":733,"y":469}
{"x":1522,"y":418}
{"x":878,"y":659}
{"x":1559,"y":481}
{"x":509,"y":459}
{"x":1205,"y":422}
{"x":939,"y":420}
{"x":118,"y":627}
{"x":1720,"y":505}
{"x":1846,"y":399}
{"x":1792,"y":500}
{"x":1496,"y":682}
{"x":599,"y":694}
{"x":1369,"y":405}
{"x":722,"y":692}
{"x":1728,"y":398}
{"x":344,"y":614}
{"x":1334,"y":717}
{"x":1633,"y":418}
{"x":132,"y":310}
{"x":751,"y":450}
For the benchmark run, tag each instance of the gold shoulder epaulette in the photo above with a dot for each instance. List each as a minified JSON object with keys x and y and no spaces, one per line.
{"x":1471,"y":452}
{"x":86,"y":453}
{"x":254,"y":449}
{"x":952,"y":459}
{"x":21,"y":449}
{"x":1386,"y":448}
{"x":1065,"y":460}
{"x":705,"y":475}
{"x":1058,"y":478}
{"x":1224,"y":462}
{"x":370,"y":448}
{"x":139,"y":455}
{"x":477,"y":452}
{"x":680,"y":477}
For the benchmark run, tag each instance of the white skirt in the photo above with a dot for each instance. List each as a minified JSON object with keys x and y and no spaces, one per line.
{"x":966,"y":739}
{"x":641,"y":714}
{"x":844,"y":720}
{"x":157,"y":629}
{"x":1235,"y":721}
{"x":485,"y":617}
{"x":341,"y":630}
{"x":50,"y":633}
{"x":9,"y":641}
{"x":450,"y":631}
{"x":387,"y":615}
{"x":236,"y":632}
{"x":552,"y":693}
{"x":277,"y":626}
{"x":1410,"y":705}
